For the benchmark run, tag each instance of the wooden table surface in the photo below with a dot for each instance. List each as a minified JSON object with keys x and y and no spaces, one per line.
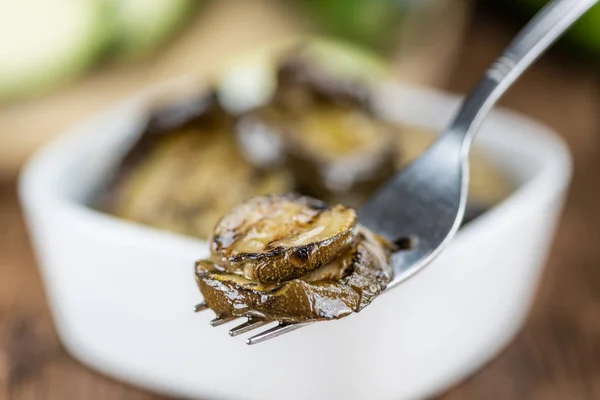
{"x":556,"y":355}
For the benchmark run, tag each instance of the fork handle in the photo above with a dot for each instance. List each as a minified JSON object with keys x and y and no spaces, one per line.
{"x":537,"y":36}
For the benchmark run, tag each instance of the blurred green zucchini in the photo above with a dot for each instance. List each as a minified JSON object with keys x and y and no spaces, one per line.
{"x":371,"y":23}
{"x":142,"y":26}
{"x":45,"y":43}
{"x":585,"y":33}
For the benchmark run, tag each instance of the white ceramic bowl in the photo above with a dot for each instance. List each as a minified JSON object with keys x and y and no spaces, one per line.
{"x":122,"y":294}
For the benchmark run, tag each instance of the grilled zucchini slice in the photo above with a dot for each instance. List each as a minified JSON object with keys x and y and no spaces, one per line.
{"x":186,"y":171}
{"x":272,"y":239}
{"x":345,"y":285}
{"x":336,"y":147}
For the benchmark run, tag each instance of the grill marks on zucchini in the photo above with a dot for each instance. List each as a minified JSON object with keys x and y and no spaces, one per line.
{"x":272,"y":239}
{"x":344,"y":285}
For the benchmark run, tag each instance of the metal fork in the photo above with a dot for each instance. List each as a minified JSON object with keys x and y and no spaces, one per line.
{"x":425,"y":202}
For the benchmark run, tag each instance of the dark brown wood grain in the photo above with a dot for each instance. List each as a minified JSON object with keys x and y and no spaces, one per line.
{"x":557,"y":354}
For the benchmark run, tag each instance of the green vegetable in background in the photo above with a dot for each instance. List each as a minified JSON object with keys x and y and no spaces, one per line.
{"x":372,"y":23}
{"x":141,"y":26}
{"x":256,"y":72}
{"x":45,"y":43}
{"x":585,"y":32}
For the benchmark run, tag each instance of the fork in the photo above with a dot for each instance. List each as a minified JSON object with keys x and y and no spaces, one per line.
{"x":423,"y":206}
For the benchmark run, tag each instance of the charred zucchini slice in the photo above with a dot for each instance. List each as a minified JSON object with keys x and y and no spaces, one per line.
{"x":141,"y":26}
{"x":271,"y":239}
{"x":340,"y":155}
{"x":336,"y":147}
{"x":186,"y":171}
{"x":345,"y":285}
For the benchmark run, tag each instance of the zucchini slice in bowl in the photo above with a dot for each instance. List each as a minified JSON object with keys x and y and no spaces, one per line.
{"x":174,"y":177}
{"x":334,"y":143}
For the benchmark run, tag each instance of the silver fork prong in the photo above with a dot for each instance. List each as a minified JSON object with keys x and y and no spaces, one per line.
{"x":200,"y":307}
{"x":220,"y":321}
{"x":278,"y":330}
{"x":247,"y":326}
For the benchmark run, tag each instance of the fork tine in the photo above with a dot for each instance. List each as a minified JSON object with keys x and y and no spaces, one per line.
{"x":247,"y":326}
{"x":220,"y":321}
{"x":200,"y":307}
{"x":282,"y":328}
